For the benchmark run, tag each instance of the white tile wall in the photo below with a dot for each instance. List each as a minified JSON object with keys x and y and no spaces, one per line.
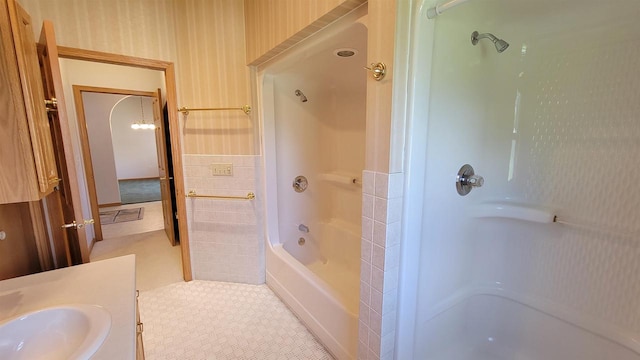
{"x":225,"y":235}
{"x":380,"y":258}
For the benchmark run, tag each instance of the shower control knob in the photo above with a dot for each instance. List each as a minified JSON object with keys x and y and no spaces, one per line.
{"x":467,"y":180}
{"x":300,"y":183}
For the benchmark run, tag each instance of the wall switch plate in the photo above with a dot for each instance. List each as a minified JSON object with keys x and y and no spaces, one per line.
{"x":219,"y":169}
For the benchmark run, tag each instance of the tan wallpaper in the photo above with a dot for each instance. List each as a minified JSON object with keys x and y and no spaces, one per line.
{"x":204,"y":38}
{"x":275,"y":25}
{"x":380,"y":48}
{"x":143,"y":28}
{"x":206,"y":41}
{"x":211,"y":56}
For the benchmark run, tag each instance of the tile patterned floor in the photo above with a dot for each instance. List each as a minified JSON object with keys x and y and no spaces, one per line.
{"x":205,"y":320}
{"x":157,"y":262}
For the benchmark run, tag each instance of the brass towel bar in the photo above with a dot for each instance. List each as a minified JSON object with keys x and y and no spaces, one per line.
{"x":193,"y":194}
{"x":185,"y":110}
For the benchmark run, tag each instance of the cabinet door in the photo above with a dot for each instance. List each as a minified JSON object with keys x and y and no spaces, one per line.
{"x":16,"y":157}
{"x":28,"y":161}
{"x":19,"y":249}
{"x":27,"y":55}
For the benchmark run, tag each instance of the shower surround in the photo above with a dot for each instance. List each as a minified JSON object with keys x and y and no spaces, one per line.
{"x":542,"y":261}
{"x":314,"y":124}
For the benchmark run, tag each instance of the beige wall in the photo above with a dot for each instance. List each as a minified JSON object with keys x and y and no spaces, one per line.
{"x":275,"y":25}
{"x":204,"y":38}
{"x":381,"y":45}
{"x":206,"y":41}
{"x":143,"y":28}
{"x":211,"y":66}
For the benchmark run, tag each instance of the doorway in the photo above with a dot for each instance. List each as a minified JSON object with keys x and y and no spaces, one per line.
{"x":126,"y":159}
{"x":123,"y":146}
{"x":111,"y":71}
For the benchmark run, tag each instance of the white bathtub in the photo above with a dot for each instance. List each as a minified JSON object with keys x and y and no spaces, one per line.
{"x":313,"y":301}
{"x":328,"y":252}
{"x":494,"y":325}
{"x":323,"y":139}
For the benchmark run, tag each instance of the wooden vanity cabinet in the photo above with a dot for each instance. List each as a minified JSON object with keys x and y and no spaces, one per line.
{"x":28,"y":169}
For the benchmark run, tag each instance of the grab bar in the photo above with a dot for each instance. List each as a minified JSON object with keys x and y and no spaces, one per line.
{"x":185,"y":110}
{"x":250,"y":196}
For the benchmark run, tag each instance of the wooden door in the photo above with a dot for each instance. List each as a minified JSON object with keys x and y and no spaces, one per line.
{"x":163,"y":169}
{"x":68,"y":193}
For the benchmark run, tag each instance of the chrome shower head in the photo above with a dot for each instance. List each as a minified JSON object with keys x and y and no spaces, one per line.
{"x":301,"y":95}
{"x":500,"y":44}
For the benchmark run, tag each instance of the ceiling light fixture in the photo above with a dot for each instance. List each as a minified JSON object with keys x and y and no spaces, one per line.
{"x":142,"y":125}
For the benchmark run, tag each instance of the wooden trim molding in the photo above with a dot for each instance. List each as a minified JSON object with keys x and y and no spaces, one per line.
{"x":174,"y":130}
{"x":86,"y":149}
{"x":109,"y":205}
{"x":142,"y":178}
{"x":114,"y":59}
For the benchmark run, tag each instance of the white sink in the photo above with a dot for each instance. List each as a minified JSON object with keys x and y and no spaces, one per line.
{"x":63,"y":332}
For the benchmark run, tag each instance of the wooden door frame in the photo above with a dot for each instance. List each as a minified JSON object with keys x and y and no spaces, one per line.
{"x":174,"y":129}
{"x":84,"y":142}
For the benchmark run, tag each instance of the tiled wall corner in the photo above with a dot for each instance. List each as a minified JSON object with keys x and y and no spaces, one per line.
{"x":225,"y":235}
{"x":380,"y":260}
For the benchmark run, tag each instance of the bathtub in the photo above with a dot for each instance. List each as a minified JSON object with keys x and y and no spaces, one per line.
{"x":496,"y":325}
{"x":317,"y":304}
{"x":314,"y":126}
{"x":327,"y":256}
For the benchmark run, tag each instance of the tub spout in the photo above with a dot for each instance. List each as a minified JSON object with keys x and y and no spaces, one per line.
{"x":303,"y":228}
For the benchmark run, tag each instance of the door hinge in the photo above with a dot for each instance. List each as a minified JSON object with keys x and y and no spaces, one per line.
{"x":51,"y":105}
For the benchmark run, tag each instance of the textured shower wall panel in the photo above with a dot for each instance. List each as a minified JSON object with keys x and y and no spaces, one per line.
{"x":578,"y":151}
{"x":559,"y":130}
{"x":225,"y":235}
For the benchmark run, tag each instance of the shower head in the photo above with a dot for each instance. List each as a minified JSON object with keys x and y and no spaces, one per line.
{"x":301,"y":95}
{"x":500,"y":44}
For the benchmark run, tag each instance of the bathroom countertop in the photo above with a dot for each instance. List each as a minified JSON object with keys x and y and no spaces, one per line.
{"x":108,"y":283}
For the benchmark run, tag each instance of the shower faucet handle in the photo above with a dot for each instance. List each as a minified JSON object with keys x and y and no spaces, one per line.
{"x":467,"y":180}
{"x":300,"y":183}
{"x":303,"y":228}
{"x":379,"y":70}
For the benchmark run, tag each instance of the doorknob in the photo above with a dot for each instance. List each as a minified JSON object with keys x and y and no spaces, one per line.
{"x":467,"y":180}
{"x":76,"y":225}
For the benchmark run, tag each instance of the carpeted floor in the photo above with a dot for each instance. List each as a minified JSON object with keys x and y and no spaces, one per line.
{"x":139,"y":191}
